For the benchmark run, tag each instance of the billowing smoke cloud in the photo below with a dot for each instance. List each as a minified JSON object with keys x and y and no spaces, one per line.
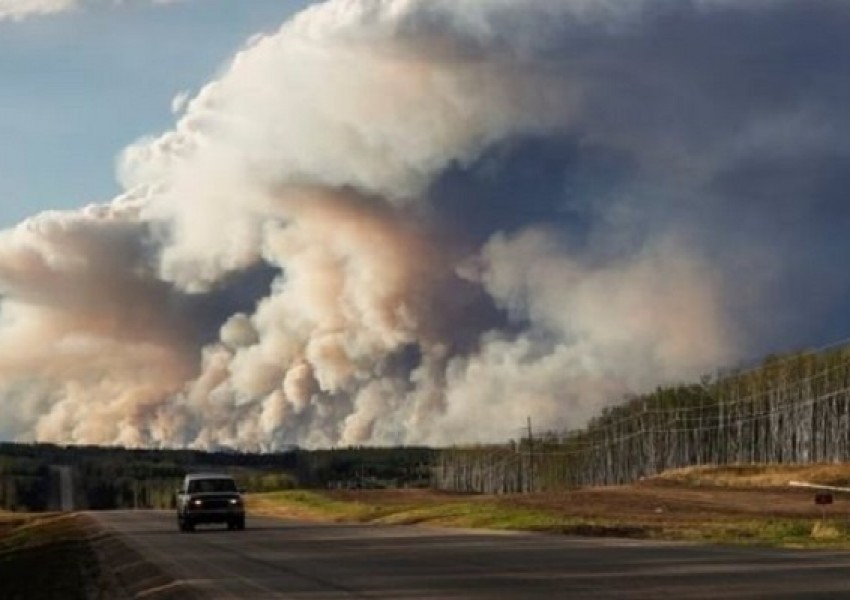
{"x":422,"y":220}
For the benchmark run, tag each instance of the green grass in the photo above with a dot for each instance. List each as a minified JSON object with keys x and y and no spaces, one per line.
{"x":459,"y":514}
{"x":315,"y":505}
{"x":493,"y":514}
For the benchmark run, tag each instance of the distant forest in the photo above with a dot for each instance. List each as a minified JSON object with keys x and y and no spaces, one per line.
{"x":789,"y":409}
{"x":108,"y":478}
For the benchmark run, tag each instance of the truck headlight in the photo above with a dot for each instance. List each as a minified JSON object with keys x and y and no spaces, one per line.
{"x":235,"y":501}
{"x":197,"y":502}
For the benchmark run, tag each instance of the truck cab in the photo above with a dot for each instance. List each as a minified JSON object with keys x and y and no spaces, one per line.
{"x":209,"y":498}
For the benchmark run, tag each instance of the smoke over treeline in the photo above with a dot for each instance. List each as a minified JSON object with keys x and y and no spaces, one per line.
{"x":418,"y":221}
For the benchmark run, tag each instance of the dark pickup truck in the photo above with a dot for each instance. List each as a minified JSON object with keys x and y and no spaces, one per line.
{"x":209,"y":498}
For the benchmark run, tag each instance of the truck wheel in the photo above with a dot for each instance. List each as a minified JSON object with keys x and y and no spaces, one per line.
{"x":240,"y":524}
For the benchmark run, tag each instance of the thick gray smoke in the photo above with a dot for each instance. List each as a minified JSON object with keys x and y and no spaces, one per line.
{"x":422,"y":220}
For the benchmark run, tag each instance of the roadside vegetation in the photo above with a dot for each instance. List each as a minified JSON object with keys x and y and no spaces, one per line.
{"x":727,"y":505}
{"x":763,"y":476}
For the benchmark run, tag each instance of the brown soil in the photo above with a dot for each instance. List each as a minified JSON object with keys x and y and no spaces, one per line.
{"x":688,"y":496}
{"x":665,"y":501}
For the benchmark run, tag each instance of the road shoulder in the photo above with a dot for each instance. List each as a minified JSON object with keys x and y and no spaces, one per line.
{"x":130,"y":572}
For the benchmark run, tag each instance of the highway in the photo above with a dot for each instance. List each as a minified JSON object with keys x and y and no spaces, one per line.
{"x":61,"y":490}
{"x":297,"y":560}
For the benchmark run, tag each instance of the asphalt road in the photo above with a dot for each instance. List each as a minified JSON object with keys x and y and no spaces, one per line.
{"x":66,"y":489}
{"x":295,"y":560}
{"x":61,"y":491}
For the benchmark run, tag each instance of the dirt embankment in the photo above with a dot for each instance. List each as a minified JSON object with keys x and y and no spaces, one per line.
{"x":51,"y":556}
{"x":68,"y":556}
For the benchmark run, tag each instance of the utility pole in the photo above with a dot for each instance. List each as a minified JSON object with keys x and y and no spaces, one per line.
{"x":530,"y":457}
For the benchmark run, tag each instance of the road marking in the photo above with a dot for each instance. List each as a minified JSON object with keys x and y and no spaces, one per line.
{"x":162,"y":588}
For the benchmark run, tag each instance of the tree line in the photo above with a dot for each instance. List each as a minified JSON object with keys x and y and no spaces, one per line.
{"x":111,"y":478}
{"x":788,"y":410}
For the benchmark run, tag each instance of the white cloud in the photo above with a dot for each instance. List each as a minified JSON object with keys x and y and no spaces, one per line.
{"x":180,"y":100}
{"x":17,"y":10}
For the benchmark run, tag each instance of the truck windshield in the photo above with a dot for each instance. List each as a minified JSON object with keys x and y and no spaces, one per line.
{"x":201,"y":486}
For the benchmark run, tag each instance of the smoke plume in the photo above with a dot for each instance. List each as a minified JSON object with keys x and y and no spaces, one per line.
{"x":419,"y":221}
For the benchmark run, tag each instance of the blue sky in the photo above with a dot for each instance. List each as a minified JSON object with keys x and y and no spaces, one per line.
{"x":78,"y":86}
